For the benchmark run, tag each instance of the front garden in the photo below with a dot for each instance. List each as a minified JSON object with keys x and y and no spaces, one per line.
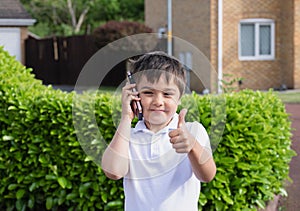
{"x":44,"y":167}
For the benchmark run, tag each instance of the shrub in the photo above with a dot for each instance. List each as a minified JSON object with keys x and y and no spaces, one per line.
{"x":114,"y":30}
{"x":253,"y":155}
{"x":43,"y":166}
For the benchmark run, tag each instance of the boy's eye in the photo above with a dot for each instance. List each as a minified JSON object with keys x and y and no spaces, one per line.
{"x":147,"y":92}
{"x":168,"y":94}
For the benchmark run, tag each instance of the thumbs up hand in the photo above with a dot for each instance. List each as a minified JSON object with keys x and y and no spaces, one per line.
{"x":180,"y":138}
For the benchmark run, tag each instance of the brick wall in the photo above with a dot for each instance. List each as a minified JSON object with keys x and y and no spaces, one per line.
{"x":156,"y":14}
{"x":214,"y":42}
{"x":285,"y":29}
{"x":24,"y":36}
{"x":197,"y":23}
{"x":191,"y":29}
{"x":256,"y":74}
{"x":297,"y":44}
{"x":191,"y":20}
{"x":191,"y":23}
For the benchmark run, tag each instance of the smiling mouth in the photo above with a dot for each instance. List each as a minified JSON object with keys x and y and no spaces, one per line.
{"x":157,"y":110}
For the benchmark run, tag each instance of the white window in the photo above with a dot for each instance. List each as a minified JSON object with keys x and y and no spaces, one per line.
{"x":256,"y":39}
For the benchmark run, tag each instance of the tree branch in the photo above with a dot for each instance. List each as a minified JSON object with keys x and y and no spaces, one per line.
{"x":81,"y":19}
{"x":72,"y":13}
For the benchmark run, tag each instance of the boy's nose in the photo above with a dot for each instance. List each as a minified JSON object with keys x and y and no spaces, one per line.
{"x":158,"y":99}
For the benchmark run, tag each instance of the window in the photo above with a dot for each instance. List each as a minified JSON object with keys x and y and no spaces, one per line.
{"x":256,"y":39}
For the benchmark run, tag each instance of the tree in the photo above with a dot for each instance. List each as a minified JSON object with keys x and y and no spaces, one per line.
{"x":115,"y":30}
{"x":119,"y":10}
{"x":69,"y":17}
{"x":77,"y":23}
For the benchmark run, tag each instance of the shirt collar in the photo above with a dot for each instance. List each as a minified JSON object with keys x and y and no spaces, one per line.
{"x":141,"y":126}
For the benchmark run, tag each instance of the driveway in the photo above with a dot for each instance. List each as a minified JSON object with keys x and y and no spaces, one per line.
{"x":292,"y":203}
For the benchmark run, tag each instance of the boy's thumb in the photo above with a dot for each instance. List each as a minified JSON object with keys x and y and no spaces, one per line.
{"x":181,"y":117}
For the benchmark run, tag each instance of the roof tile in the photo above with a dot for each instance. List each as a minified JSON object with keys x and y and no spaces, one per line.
{"x":13,"y":9}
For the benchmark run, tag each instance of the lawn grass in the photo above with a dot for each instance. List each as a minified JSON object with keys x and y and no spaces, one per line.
{"x":289,"y":96}
{"x":107,"y":89}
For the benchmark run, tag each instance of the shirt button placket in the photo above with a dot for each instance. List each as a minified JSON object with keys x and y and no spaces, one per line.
{"x":154,"y":146}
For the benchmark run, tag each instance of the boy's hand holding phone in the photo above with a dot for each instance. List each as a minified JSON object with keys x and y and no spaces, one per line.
{"x":127,"y":97}
{"x":135,"y":104}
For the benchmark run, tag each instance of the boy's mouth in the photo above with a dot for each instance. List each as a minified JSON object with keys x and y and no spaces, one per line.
{"x":158,"y":110}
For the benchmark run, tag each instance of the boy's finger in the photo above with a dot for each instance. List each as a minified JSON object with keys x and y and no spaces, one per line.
{"x":181,"y":118}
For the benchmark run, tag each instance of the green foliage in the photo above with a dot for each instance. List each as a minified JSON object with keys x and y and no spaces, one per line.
{"x":114,"y":30}
{"x":43,"y":166}
{"x":54,"y":17}
{"x":254,"y":154}
{"x":229,"y":83}
{"x":132,"y":10}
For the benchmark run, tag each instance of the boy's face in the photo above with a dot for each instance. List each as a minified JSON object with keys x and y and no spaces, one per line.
{"x":159,"y":101}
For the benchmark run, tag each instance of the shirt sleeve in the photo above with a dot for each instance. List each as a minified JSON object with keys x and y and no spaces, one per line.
{"x":200,"y":134}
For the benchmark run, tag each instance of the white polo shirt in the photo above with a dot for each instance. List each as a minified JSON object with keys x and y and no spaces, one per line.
{"x":159,"y":179}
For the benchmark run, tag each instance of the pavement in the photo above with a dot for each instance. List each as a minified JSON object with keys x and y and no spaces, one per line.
{"x":292,"y":202}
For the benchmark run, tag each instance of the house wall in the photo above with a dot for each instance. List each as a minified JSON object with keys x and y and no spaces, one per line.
{"x":191,"y":20}
{"x":296,"y":75}
{"x":191,"y":28}
{"x":263,"y":74}
{"x":286,"y":47}
{"x":24,"y":36}
{"x":214,"y":43}
{"x":198,"y":24}
{"x":191,"y":23}
{"x":156,"y":14}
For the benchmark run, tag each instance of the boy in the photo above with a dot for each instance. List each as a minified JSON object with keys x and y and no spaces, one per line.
{"x":163,"y":159}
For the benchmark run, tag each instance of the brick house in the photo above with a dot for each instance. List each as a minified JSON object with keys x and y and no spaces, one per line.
{"x":14,"y":21}
{"x":260,"y":38}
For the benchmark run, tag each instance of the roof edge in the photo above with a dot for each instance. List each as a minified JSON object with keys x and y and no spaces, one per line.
{"x":16,"y":22}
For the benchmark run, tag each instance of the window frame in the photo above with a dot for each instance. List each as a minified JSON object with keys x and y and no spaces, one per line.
{"x":257,"y":23}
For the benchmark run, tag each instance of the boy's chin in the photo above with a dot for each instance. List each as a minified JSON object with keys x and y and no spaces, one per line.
{"x":158,"y":120}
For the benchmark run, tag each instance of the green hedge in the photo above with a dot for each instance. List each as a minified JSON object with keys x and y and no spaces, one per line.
{"x":254,"y":153}
{"x":44,"y":167}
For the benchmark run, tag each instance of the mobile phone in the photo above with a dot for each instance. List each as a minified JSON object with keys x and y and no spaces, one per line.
{"x":139,"y":109}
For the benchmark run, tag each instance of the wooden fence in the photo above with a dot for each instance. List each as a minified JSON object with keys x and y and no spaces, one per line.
{"x":59,"y":60}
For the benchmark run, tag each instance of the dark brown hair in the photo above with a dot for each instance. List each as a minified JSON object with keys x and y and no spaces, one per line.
{"x":153,"y":65}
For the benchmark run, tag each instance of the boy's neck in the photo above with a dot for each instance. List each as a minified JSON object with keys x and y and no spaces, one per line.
{"x":156,"y":128}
